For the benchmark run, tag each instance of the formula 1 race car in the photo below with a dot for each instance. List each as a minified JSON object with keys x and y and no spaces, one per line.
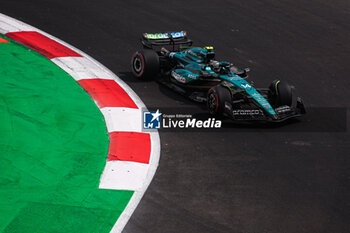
{"x":192,"y":71}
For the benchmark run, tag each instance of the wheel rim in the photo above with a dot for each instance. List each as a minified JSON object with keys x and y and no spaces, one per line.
{"x":137,"y":64}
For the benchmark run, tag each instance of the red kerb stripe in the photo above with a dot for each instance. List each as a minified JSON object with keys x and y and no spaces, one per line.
{"x":107,"y":93}
{"x":42,"y":44}
{"x":129,"y":146}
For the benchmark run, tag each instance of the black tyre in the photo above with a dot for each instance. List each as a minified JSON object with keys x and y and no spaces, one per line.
{"x":280,"y":93}
{"x":216,"y":98}
{"x":145,"y":64}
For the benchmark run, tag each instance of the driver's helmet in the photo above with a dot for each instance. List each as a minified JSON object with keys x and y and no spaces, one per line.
{"x":210,"y":54}
{"x":215,"y":65}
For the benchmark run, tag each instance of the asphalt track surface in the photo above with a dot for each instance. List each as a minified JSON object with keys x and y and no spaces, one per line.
{"x":291,"y":178}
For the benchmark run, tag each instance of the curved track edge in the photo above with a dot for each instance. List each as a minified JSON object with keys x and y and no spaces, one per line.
{"x":119,"y":104}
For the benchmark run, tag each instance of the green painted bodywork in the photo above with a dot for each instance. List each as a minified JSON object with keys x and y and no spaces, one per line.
{"x":53,"y":148}
{"x":192,"y":62}
{"x":184,"y":76}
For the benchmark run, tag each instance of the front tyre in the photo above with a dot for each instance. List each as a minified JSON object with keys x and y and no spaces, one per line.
{"x":280,"y":93}
{"x":145,"y":64}
{"x":216,"y":98}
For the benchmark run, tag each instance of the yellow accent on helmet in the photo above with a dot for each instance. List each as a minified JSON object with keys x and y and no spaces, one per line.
{"x":208,"y":47}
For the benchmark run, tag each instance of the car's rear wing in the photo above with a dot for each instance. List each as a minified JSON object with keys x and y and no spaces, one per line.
{"x":151,"y":40}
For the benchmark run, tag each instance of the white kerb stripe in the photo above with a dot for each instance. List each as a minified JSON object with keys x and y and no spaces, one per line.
{"x":122,"y":119}
{"x":81,"y":68}
{"x":124,"y":175}
{"x":13,"y":26}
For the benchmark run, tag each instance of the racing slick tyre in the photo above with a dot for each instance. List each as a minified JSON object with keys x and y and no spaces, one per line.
{"x":145,"y":64}
{"x":280,"y":93}
{"x":216,"y":98}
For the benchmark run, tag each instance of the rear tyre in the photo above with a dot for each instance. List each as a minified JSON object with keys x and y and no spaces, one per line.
{"x":145,"y":64}
{"x":280,"y":93}
{"x":216,"y":98}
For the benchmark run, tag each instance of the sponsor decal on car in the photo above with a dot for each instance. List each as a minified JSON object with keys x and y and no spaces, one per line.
{"x":178,"y":77}
{"x":245,"y":86}
{"x":261,"y":100}
{"x":283,"y":109}
{"x":164,"y":35}
{"x":244,"y":112}
{"x":191,"y":76}
{"x":191,"y":52}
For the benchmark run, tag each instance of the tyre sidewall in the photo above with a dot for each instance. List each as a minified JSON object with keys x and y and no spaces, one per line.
{"x":221,"y":95}
{"x":145,"y":64}
{"x":214,"y":98}
{"x":281,"y":93}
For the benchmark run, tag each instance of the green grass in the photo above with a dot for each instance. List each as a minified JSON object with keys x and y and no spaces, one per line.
{"x":53,"y":148}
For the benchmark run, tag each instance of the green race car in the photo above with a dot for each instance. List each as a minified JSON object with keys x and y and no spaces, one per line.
{"x":193,"y":71}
